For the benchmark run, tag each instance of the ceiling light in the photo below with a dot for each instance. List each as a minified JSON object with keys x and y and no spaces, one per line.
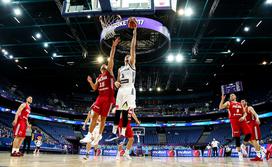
{"x":100,"y":59}
{"x":141,"y":89}
{"x":10,"y":56}
{"x":6,"y":1}
{"x":264,"y":63}
{"x":257,"y":25}
{"x":268,"y":2}
{"x":3,"y":50}
{"x":45,"y":45}
{"x":214,"y":75}
{"x":181,"y":12}
{"x":222,"y":65}
{"x":54,"y":54}
{"x":207,"y":83}
{"x":88,"y":16}
{"x":188,"y":12}
{"x":158,"y":89}
{"x":25,"y":68}
{"x":17,"y":12}
{"x":246,"y":29}
{"x":179,"y":58}
{"x":38,"y":35}
{"x":243,"y":42}
{"x":150,"y":89}
{"x":170,"y":58}
{"x":232,"y":54}
{"x":238,"y":39}
{"x":16,"y":60}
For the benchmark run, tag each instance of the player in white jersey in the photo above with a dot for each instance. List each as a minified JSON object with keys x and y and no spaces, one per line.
{"x":93,"y":135}
{"x":126,"y":96}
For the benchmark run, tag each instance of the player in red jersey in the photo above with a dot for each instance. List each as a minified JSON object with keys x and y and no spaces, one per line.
{"x":128,"y":134}
{"x":20,"y":125}
{"x":253,"y":121}
{"x":237,"y":116}
{"x":103,"y":104}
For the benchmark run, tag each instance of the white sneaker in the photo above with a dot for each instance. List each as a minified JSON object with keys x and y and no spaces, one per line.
{"x":117,"y":157}
{"x":96,"y":140}
{"x":86,"y":139}
{"x":127,"y":156}
{"x":240,"y":155}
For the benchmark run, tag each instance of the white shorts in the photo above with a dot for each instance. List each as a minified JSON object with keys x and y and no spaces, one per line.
{"x":126,"y":98}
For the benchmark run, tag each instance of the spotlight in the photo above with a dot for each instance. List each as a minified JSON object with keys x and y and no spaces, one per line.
{"x":17,"y":12}
{"x":158,"y":89}
{"x":188,"y":12}
{"x":150,"y":89}
{"x":181,"y":12}
{"x":229,"y":51}
{"x":246,"y":29}
{"x":54,"y":54}
{"x":38,"y":35}
{"x":100,"y":59}
{"x":10,"y":56}
{"x":264,"y":63}
{"x":16,"y":60}
{"x":3,"y":50}
{"x":88,"y":16}
{"x":6,"y":1}
{"x":268,"y":2}
{"x":45,"y":45}
{"x":238,"y":39}
{"x":5,"y":53}
{"x":141,"y":89}
{"x":25,"y":68}
{"x":179,"y":58}
{"x":170,"y":58}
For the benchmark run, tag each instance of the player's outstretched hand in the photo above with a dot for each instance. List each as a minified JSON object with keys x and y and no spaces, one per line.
{"x":116,"y":41}
{"x":223,"y":97}
{"x":83,"y":127}
{"x":117,"y":84}
{"x":138,"y":123}
{"x":242,"y":119}
{"x":14,"y":123}
{"x":89,"y":79}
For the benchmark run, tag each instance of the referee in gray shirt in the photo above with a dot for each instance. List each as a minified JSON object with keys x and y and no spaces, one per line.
{"x":27,"y":140}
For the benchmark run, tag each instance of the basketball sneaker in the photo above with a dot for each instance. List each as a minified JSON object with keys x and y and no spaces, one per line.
{"x":118,"y":156}
{"x":86,"y":139}
{"x":86,"y":157}
{"x":15,"y":154}
{"x":96,"y":140}
{"x":127,"y":156}
{"x":240,"y":155}
{"x":256,"y":159}
{"x":112,"y":137}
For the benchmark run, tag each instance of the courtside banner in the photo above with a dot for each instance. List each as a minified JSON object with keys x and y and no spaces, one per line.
{"x":109,"y":152}
{"x":159,"y":153}
{"x":83,"y":152}
{"x":184,"y":153}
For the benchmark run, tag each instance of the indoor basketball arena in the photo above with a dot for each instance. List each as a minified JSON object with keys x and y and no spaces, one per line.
{"x":126,"y":83}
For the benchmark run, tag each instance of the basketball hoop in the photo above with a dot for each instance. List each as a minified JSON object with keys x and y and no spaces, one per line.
{"x":108,"y":25}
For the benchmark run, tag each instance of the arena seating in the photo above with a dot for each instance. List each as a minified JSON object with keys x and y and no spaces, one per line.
{"x":184,"y":136}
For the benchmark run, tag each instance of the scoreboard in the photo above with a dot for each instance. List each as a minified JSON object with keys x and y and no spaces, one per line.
{"x":232,"y":87}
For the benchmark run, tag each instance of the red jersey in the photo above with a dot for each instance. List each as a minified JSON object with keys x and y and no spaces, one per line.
{"x":25,"y":113}
{"x":235,"y":110}
{"x":105,"y":84}
{"x":250,"y":117}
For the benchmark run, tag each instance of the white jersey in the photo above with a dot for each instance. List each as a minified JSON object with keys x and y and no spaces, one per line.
{"x":127,"y":75}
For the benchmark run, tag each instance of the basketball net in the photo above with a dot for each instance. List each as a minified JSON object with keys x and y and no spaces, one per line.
{"x":107,"y":23}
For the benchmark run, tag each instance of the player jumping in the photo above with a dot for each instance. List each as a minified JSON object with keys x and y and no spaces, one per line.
{"x":103,"y":104}
{"x":128,"y":134}
{"x":253,"y":121}
{"x":126,"y":95}
{"x":237,"y":116}
{"x":20,"y":125}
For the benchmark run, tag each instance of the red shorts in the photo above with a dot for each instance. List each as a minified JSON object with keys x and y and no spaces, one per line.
{"x":238,"y":126}
{"x":129,"y":131}
{"x":256,"y":131}
{"x":103,"y":105}
{"x":19,"y":130}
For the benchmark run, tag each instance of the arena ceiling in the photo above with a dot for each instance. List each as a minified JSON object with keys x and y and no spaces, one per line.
{"x":213,"y":41}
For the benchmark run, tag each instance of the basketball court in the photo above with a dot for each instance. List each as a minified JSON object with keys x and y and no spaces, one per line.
{"x":46,"y":160}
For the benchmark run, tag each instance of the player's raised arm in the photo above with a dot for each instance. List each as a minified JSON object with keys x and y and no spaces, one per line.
{"x":112,"y":53}
{"x":118,"y":81}
{"x":134,"y":116}
{"x":93,"y":85}
{"x":132,"y":60}
{"x":223,"y":105}
{"x":22,"y":106}
{"x":251,"y":109}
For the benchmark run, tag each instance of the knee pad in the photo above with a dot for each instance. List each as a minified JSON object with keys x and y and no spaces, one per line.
{"x":247,"y":137}
{"x":117,"y":117}
{"x":237,"y":141}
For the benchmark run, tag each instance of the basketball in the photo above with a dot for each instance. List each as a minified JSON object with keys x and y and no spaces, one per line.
{"x":132,"y":22}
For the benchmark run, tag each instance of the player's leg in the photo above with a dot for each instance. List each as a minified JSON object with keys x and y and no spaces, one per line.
{"x":15,"y":148}
{"x":87,"y":138}
{"x":128,"y":147}
{"x":88,"y":148}
{"x":120,"y":147}
{"x":235,"y":126}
